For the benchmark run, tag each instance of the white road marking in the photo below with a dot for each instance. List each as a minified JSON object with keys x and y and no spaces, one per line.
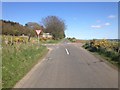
{"x":67,"y":51}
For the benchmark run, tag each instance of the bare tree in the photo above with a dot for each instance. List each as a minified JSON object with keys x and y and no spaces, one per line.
{"x":55,"y":26}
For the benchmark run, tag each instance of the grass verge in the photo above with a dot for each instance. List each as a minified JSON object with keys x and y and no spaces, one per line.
{"x":106,"y":60}
{"x":51,"y":41}
{"x":17,"y":60}
{"x":114,"y":62}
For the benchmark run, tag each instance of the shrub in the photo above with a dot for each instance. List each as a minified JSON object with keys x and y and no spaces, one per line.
{"x":108,"y":53}
{"x":92,"y":49}
{"x":101,"y":50}
{"x":115,"y":57}
{"x":86,"y":46}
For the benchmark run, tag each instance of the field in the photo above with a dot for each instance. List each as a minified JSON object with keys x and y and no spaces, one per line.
{"x":18,"y":58}
{"x":106,"y":48}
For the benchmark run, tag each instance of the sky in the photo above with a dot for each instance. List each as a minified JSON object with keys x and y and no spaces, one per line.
{"x":84,"y":20}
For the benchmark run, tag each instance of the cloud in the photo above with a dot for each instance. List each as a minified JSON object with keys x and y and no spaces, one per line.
{"x":96,"y":26}
{"x":107,"y":24}
{"x":111,"y":16}
{"x":100,"y":26}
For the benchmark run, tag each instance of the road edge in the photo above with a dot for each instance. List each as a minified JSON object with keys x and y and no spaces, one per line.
{"x":28,"y":74}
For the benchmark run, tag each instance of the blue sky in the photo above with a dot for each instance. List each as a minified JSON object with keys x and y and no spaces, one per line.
{"x":84,"y":20}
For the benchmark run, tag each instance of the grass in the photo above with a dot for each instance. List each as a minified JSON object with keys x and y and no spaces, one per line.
{"x":0,"y":74}
{"x":17,"y":60}
{"x":51,"y":41}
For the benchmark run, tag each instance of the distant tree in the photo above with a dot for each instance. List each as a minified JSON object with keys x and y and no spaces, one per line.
{"x":11,"y":28}
{"x":32,"y":26}
{"x":14,"y":28}
{"x":55,"y":26}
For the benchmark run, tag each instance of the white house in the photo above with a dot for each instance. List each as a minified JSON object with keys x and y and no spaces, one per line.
{"x":46,"y":35}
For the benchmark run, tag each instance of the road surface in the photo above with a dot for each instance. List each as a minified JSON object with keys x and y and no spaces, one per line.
{"x":70,"y":66}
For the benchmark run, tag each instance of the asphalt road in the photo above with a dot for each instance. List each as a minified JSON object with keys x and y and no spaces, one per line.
{"x":70,"y":66}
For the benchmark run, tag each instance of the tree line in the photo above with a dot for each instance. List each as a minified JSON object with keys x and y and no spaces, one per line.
{"x":51,"y":24}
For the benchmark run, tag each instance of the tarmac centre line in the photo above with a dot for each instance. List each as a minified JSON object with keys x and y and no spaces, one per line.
{"x":67,"y":51}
